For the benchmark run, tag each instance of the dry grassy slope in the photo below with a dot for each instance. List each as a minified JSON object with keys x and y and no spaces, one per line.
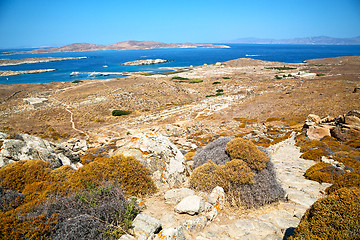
{"x":91,"y":102}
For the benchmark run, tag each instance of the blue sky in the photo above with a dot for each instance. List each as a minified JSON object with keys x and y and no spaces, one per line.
{"x":34,"y":23}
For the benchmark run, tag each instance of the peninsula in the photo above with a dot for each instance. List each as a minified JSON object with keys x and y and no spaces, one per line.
{"x":125,"y":45}
{"x":10,"y":62}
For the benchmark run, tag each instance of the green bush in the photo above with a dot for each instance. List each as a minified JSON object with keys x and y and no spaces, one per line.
{"x":320,"y":74}
{"x":196,"y":81}
{"x":219,"y":90}
{"x":77,"y":81}
{"x":216,"y":83}
{"x":333,"y":217}
{"x":120,"y":112}
{"x":179,"y":78}
{"x":225,"y":78}
{"x":277,"y":77}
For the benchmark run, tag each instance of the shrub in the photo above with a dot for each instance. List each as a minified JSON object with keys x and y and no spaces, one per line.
{"x":203,"y":178}
{"x":273,"y":119}
{"x":120,"y":112}
{"x":128,"y":172}
{"x":277,"y":77}
{"x":333,"y":217}
{"x":189,"y":156}
{"x":348,"y":180}
{"x":320,"y":74}
{"x":323,"y":172}
{"x":16,"y":176}
{"x":353,"y":143}
{"x":77,"y":81}
{"x":10,"y":199}
{"x":219,"y":90}
{"x":179,"y":78}
{"x":246,"y":181}
{"x":314,"y":154}
{"x":225,"y":78}
{"x":196,"y":81}
{"x":216,"y":83}
{"x":247,"y":151}
{"x":214,"y":151}
{"x":264,"y":190}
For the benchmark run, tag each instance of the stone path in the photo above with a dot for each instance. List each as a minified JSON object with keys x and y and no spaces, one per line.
{"x":275,"y":221}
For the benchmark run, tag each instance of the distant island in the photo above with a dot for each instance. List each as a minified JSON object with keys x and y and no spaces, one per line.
{"x":145,"y":62}
{"x":321,"y":40}
{"x":10,"y":62}
{"x":125,"y":45}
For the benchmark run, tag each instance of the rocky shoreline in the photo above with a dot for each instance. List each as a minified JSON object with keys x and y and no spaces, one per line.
{"x":13,"y":73}
{"x":146,"y":62}
{"x":11,"y":62}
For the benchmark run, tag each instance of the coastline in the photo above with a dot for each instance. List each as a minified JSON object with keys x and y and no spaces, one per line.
{"x":13,"y":62}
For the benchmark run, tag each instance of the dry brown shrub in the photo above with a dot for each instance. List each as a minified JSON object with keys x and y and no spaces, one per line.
{"x":353,"y":143}
{"x":314,"y":154}
{"x":17,"y":175}
{"x":128,"y":172}
{"x":247,"y":151}
{"x":333,"y":217}
{"x":347,"y":180}
{"x":188,"y":156}
{"x":203,"y":178}
{"x":323,"y":172}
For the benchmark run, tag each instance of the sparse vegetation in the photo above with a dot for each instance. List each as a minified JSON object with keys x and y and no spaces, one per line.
{"x":347,"y":180}
{"x":225,"y":78}
{"x":216,"y":83}
{"x":281,"y":68}
{"x":320,"y":74}
{"x":333,"y":217}
{"x":196,"y":81}
{"x":77,"y":81}
{"x":323,"y":172}
{"x":120,"y":112}
{"x":179,"y":78}
{"x":277,"y":77}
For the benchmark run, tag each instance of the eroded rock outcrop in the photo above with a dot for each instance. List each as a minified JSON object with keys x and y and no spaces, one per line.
{"x":344,"y":127}
{"x":162,"y":157}
{"x":27,"y":147}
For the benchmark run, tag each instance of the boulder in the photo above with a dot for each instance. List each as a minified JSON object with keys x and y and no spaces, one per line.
{"x":156,"y":152}
{"x":352,"y":120}
{"x":345,"y":132}
{"x":174,"y":233}
{"x":316,"y":132}
{"x":176,"y":195}
{"x":312,"y":120}
{"x":191,"y":205}
{"x":27,"y":147}
{"x":76,"y":145}
{"x":146,"y":224}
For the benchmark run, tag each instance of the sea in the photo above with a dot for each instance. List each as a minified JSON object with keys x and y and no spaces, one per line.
{"x":111,"y":61}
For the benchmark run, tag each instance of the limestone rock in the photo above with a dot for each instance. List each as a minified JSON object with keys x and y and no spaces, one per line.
{"x":311,"y":120}
{"x":146,"y":224}
{"x":174,"y":233}
{"x":176,"y":195}
{"x":352,"y":120}
{"x":195,"y":224}
{"x":76,"y":145}
{"x":156,"y":152}
{"x":316,"y":132}
{"x":35,"y":102}
{"x":191,"y":205}
{"x":27,"y":147}
{"x":217,"y":201}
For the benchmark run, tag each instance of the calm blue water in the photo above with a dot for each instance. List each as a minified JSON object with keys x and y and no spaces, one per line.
{"x":180,"y":57}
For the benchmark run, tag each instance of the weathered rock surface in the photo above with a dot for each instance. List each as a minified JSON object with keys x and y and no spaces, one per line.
{"x":176,"y":195}
{"x":191,"y":205}
{"x":174,"y":233}
{"x":156,"y":152}
{"x":146,"y":224}
{"x":345,"y":127}
{"x":26,"y":147}
{"x":76,"y":145}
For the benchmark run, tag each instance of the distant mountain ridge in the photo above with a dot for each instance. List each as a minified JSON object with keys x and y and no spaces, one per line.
{"x":125,"y":45}
{"x":320,"y":40}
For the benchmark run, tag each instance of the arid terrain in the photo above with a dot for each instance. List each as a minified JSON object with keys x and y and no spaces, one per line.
{"x":207,"y":101}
